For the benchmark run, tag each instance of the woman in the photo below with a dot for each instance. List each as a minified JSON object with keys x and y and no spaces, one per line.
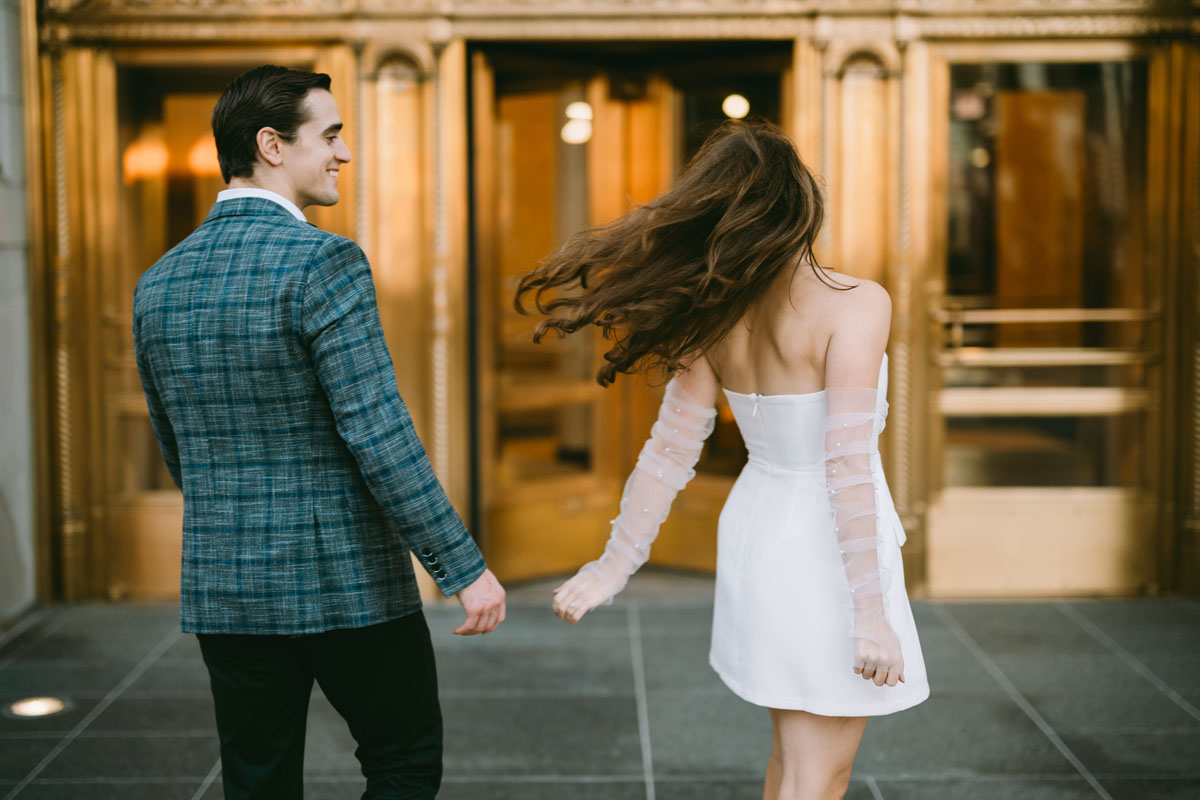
{"x":716,"y":282}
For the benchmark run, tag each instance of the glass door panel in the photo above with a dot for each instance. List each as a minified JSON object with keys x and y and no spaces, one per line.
{"x":1047,"y":335}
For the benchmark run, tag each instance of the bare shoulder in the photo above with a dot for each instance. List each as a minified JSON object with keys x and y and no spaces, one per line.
{"x":865,"y":296}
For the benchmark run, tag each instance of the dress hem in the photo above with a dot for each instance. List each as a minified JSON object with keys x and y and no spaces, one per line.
{"x":916,"y":695}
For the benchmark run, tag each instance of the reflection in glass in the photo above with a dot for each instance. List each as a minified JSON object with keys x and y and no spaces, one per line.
{"x":1044,"y":451}
{"x":1047,"y":173}
{"x":543,"y":443}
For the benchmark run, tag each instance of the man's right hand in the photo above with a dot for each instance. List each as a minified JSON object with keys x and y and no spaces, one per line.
{"x":483,"y":601}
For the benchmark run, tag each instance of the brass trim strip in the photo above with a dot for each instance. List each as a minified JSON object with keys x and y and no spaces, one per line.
{"x":1041,"y":357}
{"x":1038,"y":402}
{"x":1008,"y":316}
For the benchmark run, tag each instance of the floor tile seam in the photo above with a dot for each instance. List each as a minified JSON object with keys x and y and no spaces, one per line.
{"x":633,"y":778}
{"x":518,"y":694}
{"x":1129,"y":730}
{"x":208,"y":780}
{"x":143,"y":665}
{"x":28,"y":621}
{"x":639,"y":685}
{"x":956,"y":775}
{"x":118,"y":781}
{"x":1149,"y":776}
{"x":178,"y":733}
{"x":1015,"y":695}
{"x":69,"y":663}
{"x":45,"y":633}
{"x":1128,"y":658}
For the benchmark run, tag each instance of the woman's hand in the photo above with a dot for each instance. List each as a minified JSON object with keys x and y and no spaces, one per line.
{"x":581,"y":594}
{"x":877,"y":655}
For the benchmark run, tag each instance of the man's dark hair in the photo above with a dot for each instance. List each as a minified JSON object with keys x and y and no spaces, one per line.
{"x":264,"y":97}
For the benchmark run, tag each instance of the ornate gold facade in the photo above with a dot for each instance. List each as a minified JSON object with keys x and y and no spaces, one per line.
{"x":1041,"y":440}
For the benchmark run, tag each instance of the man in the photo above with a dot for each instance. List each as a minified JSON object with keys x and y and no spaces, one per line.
{"x":274,"y":401}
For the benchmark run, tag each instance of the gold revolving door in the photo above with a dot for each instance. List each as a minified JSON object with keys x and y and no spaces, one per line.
{"x":1047,"y":335}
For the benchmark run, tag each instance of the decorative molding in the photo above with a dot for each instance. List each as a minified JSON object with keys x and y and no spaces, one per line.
{"x":378,"y":53}
{"x":642,"y":8}
{"x":1046,"y":27}
{"x":413,"y":23}
{"x":440,"y":285}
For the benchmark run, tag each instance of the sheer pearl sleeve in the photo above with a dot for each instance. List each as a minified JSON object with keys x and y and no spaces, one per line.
{"x":850,"y":420}
{"x":665,"y":465}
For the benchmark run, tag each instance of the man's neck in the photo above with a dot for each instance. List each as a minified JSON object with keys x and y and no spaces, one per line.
{"x":266,"y":183}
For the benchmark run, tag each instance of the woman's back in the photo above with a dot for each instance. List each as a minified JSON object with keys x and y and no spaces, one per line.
{"x":805,"y":333}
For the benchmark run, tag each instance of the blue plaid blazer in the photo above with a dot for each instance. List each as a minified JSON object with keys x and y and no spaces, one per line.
{"x":272,"y":396}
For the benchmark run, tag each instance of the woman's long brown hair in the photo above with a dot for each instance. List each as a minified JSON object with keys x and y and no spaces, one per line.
{"x":669,"y":279}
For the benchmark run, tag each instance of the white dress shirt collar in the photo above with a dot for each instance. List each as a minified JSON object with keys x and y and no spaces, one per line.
{"x":265,"y":194}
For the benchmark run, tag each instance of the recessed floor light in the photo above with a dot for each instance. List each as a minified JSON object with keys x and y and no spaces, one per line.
{"x":35,"y":707}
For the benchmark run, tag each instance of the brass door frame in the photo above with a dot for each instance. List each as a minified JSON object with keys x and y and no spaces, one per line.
{"x":929,"y":83}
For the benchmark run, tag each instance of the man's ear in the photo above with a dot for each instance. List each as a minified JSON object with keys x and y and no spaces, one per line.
{"x":270,"y":146}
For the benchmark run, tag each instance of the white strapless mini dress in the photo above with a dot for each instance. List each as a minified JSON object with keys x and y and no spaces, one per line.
{"x":781,"y":619}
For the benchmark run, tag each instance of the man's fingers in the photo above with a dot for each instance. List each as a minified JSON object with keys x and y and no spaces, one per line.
{"x":470,"y":626}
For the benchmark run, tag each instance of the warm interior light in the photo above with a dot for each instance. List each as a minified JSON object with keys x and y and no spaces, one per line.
{"x":202,"y":158}
{"x":579,"y":110}
{"x":577,"y":131}
{"x":36,"y":707}
{"x":735,"y":106}
{"x":144,"y":158}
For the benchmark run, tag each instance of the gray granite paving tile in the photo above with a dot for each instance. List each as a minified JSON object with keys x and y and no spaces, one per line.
{"x":959,"y":733}
{"x":84,"y":646}
{"x":156,"y":714}
{"x":46,"y":678}
{"x":1117,"y":754}
{"x":1096,"y":673}
{"x":1115,"y":615}
{"x":1129,"y":708}
{"x":1023,"y":629}
{"x":560,"y":736}
{"x":696,"y":622}
{"x":64,"y":721}
{"x":567,"y":664}
{"x":606,"y":790}
{"x":950,"y":666}
{"x":22,"y":755}
{"x":172,"y":679}
{"x":187,"y":650}
{"x":748,"y":789}
{"x":925,"y":616}
{"x":1178,"y":672}
{"x":1182,"y":789}
{"x":110,"y":791}
{"x":986,"y":788}
{"x":120,"y":620}
{"x":677,"y":664}
{"x":1176,"y":640}
{"x":702,"y":735}
{"x":135,"y":757}
{"x":328,"y":746}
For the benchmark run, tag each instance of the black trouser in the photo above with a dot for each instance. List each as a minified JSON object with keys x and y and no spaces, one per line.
{"x":381,"y":679}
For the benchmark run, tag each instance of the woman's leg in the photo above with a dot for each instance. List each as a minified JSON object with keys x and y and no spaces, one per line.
{"x":774,"y":763}
{"x":815,"y":754}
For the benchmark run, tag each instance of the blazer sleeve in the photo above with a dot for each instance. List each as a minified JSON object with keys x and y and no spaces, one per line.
{"x":163,"y":431}
{"x":340,"y":325}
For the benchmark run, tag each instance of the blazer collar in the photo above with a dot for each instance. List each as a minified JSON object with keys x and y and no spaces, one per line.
{"x":249,"y":207}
